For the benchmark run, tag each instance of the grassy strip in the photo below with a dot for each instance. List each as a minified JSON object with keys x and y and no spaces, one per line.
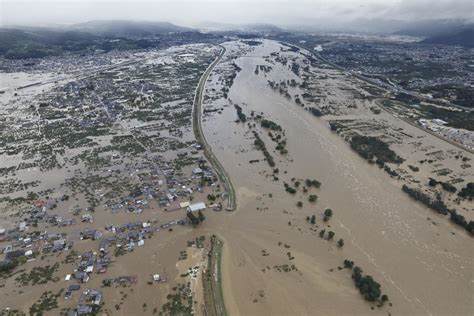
{"x":212,"y":281}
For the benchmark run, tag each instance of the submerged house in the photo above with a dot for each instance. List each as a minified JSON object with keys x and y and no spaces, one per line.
{"x":196,"y":207}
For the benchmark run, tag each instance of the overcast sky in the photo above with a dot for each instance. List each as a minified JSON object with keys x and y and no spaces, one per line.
{"x":191,"y":12}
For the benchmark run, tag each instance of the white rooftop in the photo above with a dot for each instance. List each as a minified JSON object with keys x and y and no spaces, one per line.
{"x":196,"y":207}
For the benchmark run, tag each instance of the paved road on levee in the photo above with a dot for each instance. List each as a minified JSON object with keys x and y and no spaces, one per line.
{"x":199,"y":135}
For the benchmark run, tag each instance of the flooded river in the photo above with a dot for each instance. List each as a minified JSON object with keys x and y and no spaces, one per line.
{"x":424,"y":269}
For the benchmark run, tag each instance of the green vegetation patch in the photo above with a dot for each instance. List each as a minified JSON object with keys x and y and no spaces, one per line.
{"x":368,"y":287}
{"x":180,"y":301}
{"x":48,"y":301}
{"x":371,"y":147}
{"x":468,"y":191}
{"x":38,"y":275}
{"x":242,"y":117}
{"x":271,"y":125}
{"x":261,"y":146}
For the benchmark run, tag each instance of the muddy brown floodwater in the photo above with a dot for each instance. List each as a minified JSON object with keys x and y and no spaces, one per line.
{"x":424,"y":269}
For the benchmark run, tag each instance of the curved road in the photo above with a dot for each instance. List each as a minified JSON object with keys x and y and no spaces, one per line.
{"x":199,"y":135}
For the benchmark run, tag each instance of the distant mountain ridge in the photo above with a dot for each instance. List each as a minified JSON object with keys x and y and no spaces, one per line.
{"x":443,"y":32}
{"x":229,"y":27}
{"x":429,"y":28}
{"x":123,"y":28}
{"x":463,"y":37}
{"x":36,"y":42}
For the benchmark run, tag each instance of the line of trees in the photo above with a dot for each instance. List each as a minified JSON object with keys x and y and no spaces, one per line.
{"x":467,"y":192}
{"x":261,"y":146}
{"x":242,"y":117}
{"x":440,"y":207}
{"x":271,"y":125}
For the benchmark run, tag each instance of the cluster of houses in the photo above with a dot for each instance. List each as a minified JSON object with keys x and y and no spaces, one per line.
{"x":162,"y":184}
{"x":89,"y":300}
{"x":22,"y":245}
{"x":25,"y":244}
{"x":462,"y":136}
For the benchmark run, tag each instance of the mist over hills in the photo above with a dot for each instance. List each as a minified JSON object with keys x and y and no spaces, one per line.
{"x":463,"y":37}
{"x":428,"y":28}
{"x":123,"y":28}
{"x":442,"y":32}
{"x":253,"y":27}
{"x":35,"y":42}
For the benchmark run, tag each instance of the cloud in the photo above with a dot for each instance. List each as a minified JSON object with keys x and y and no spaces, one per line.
{"x":190,"y":12}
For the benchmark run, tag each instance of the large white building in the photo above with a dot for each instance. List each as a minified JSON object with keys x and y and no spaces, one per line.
{"x":196,"y":207}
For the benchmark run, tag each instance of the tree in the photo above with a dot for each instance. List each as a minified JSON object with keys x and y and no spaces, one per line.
{"x":312,"y":183}
{"x":299,"y":204}
{"x":331,"y":235}
{"x":312,"y":198}
{"x":348,"y":264}
{"x":321,"y":233}
{"x":201,"y":216}
{"x":193,"y":219}
{"x":313,"y":219}
{"x":384,"y":298}
{"x":327,"y":214}
{"x":340,"y":243}
{"x":368,"y":287}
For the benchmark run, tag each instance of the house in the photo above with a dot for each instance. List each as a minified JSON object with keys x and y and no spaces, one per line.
{"x":82,"y":309}
{"x":173,"y":207}
{"x":22,"y":226}
{"x":104,"y":242}
{"x":74,"y":287}
{"x":184,"y":204}
{"x":14,"y":254}
{"x":59,"y":244}
{"x":197,"y":171}
{"x":67,"y":222}
{"x":68,"y":244}
{"x":53,"y":236}
{"x":81,"y":276}
{"x":91,"y":234}
{"x":87,"y":218}
{"x":94,"y":295}
{"x":121,"y":279}
{"x":196,"y":207}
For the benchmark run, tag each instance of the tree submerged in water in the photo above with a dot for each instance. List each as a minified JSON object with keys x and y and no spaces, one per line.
{"x":195,"y":220}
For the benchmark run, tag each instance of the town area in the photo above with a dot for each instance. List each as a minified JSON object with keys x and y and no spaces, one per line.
{"x":100,"y":167}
